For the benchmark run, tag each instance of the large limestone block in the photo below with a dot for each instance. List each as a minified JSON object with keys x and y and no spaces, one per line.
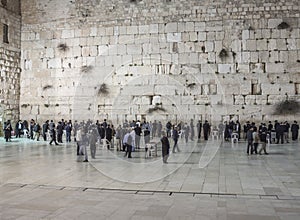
{"x":164,"y":90}
{"x":216,"y":99}
{"x":245,"y":87}
{"x":262,"y":44}
{"x":174,"y":37}
{"x":261,"y":99}
{"x":273,"y":23}
{"x":269,"y":89}
{"x":171,"y":27}
{"x":209,"y":46}
{"x":209,"y":68}
{"x":225,"y":68}
{"x":274,"y":67}
{"x":274,"y":99}
{"x":200,"y":26}
{"x":134,"y":49}
{"x":67,"y":34}
{"x":54,"y":63}
{"x":251,"y":45}
{"x":153,"y":28}
{"x":281,"y":44}
{"x":291,"y":44}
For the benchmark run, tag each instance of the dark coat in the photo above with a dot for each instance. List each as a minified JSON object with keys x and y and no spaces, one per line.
{"x":175,"y":134}
{"x":59,"y":129}
{"x":108,"y":133}
{"x":147,"y":136}
{"x":165,"y":145}
{"x":101,"y":132}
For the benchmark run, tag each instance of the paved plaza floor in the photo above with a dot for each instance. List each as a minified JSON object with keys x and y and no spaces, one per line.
{"x":205,"y":180}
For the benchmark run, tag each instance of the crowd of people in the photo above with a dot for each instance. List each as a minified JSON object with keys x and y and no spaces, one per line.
{"x":127,"y":137}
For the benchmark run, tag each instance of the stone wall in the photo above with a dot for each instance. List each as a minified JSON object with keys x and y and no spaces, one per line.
{"x":10,"y":57}
{"x":197,"y":59}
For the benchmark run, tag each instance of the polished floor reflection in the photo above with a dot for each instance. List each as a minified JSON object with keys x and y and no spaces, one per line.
{"x":214,"y":180}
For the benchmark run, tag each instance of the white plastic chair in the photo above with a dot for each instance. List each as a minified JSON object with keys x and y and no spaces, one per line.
{"x":234,"y":138}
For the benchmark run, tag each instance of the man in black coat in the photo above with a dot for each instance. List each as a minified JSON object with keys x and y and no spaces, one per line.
{"x":59,"y":132}
{"x":199,"y":128}
{"x":280,"y":130}
{"x":52,"y":132}
{"x":192,"y":129}
{"x":277,"y":128}
{"x":263,"y":138}
{"x":7,"y":130}
{"x":250,"y":141}
{"x":45,"y":128}
{"x":165,"y":145}
{"x":175,"y":136}
{"x":168,"y":127}
{"x":206,"y":130}
{"x":108,"y":133}
{"x":138,"y":133}
{"x":159,"y":129}
{"x":146,"y":136}
{"x":19,"y":129}
{"x":295,"y":130}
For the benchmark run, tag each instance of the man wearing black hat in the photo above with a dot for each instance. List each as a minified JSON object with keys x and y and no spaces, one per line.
{"x":295,"y":130}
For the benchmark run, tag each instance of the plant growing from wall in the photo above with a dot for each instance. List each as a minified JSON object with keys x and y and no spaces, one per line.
{"x":287,"y":107}
{"x":86,"y":69}
{"x":191,"y":85}
{"x":223,"y":54}
{"x":283,"y":25}
{"x":156,"y":109}
{"x":47,"y":87}
{"x":103,"y":89}
{"x":24,"y":105}
{"x":63,"y":47}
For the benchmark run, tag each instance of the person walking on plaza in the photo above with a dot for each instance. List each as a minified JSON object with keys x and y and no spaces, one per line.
{"x":108,"y":136}
{"x":165,"y":144}
{"x":60,"y":132}
{"x":19,"y":129}
{"x":263,"y":139}
{"x":68,"y":128}
{"x":192,"y":129}
{"x":255,"y":141}
{"x":159,"y":129}
{"x":186,"y":129}
{"x":52,"y":133}
{"x":206,"y":130}
{"x":92,"y":141}
{"x":280,"y":132}
{"x":7,"y":131}
{"x":128,"y":140}
{"x":295,"y":130}
{"x":45,"y":128}
{"x":138,"y":133}
{"x":147,"y":136}
{"x":175,"y":137}
{"x":250,"y":141}
{"x":277,"y":130}
{"x":168,"y":127}
{"x":37,"y":131}
{"x":125,"y":138}
{"x":83,"y":145}
{"x":286,"y":131}
{"x":199,"y":128}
